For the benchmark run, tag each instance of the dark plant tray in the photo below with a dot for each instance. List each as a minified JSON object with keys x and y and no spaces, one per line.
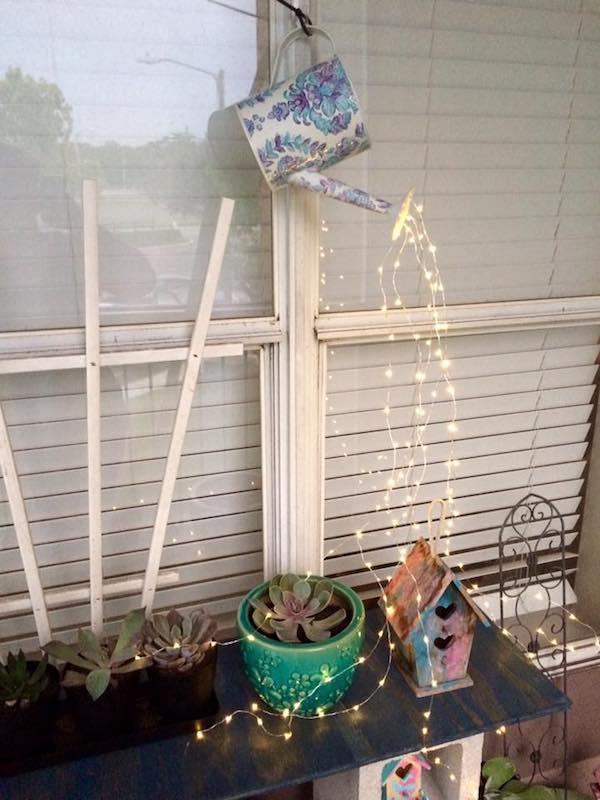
{"x":69,"y":743}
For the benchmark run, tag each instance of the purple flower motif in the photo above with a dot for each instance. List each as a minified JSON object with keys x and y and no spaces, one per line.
{"x":249,"y":125}
{"x":279,"y":111}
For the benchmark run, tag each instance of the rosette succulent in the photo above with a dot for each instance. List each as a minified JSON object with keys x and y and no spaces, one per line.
{"x":178,"y":643}
{"x":98,"y":659}
{"x":18,"y":685}
{"x":295,"y":603}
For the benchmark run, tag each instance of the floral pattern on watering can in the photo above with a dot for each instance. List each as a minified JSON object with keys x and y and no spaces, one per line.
{"x":311,"y":122}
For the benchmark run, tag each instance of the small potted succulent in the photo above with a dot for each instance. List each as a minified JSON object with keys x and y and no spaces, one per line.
{"x":300,"y":640}
{"x":28,"y":701}
{"x":183,"y":663}
{"x":100,"y":681}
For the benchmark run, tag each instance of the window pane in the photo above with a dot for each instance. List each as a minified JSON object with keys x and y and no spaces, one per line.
{"x":525,"y":403}
{"x":125,"y":93}
{"x":213,"y":545}
{"x":487,"y":110}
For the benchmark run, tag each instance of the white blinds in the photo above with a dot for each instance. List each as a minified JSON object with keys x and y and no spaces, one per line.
{"x":491,"y":110}
{"x":524,"y":407}
{"x":124,"y":92}
{"x":213,"y":548}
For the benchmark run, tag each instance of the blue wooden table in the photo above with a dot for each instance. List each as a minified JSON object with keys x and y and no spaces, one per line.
{"x":238,"y":760}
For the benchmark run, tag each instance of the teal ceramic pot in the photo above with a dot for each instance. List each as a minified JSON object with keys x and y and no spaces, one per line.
{"x":284,"y":674}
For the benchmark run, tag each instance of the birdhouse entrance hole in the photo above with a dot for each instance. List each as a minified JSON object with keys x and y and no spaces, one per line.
{"x":443,"y":644}
{"x":403,"y":771}
{"x":444,"y":612}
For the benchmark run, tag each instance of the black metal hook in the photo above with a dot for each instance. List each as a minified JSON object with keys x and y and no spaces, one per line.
{"x":303,"y":18}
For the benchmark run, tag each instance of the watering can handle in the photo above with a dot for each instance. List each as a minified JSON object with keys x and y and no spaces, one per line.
{"x":288,"y":40}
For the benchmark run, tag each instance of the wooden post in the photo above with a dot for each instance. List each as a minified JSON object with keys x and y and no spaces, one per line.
{"x":92,"y":368}
{"x":186,"y":397}
{"x":19,"y":515}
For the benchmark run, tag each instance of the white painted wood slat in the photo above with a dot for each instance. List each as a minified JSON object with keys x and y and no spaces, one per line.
{"x":92,"y":367}
{"x":185,"y":401}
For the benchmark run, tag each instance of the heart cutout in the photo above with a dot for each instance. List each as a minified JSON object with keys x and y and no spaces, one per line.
{"x":402,"y":772}
{"x":443,"y":644}
{"x":443,"y":612}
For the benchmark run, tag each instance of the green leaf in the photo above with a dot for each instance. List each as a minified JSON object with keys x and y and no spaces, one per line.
{"x":515,"y":786}
{"x":313,"y":633}
{"x":37,"y":673}
{"x":323,"y":592}
{"x":331,"y":621}
{"x":89,"y":648}
{"x":5,"y":681}
{"x":64,"y":652}
{"x":275,"y":594}
{"x":498,"y":771}
{"x":176,"y":633}
{"x":539,"y":793}
{"x":262,"y":623}
{"x":287,"y":582}
{"x":127,"y":654}
{"x":132,"y":666}
{"x":302,"y":590}
{"x":259,"y":605}
{"x":21,"y":669}
{"x":162,"y":626}
{"x":130,"y":629}
{"x":97,"y":682}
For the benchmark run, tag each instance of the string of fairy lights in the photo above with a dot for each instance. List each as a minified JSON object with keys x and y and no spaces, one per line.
{"x":409,"y":462}
{"x":406,"y":474}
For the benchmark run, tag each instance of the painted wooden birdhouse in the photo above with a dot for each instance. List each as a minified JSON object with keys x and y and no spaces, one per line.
{"x":434,"y":619}
{"x":401,"y":779}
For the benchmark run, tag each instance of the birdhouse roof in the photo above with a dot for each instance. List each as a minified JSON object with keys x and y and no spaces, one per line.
{"x":416,"y":585}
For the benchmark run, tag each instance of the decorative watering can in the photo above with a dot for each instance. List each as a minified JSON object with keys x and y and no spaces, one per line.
{"x":298,"y":127}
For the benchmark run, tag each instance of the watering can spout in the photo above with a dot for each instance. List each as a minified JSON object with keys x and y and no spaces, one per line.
{"x":338,"y":190}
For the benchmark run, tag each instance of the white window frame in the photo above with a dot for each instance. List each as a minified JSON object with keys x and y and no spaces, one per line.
{"x":308,"y":342}
{"x":293,"y":344}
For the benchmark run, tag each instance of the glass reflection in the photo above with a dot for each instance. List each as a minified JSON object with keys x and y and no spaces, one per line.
{"x":125,"y":95}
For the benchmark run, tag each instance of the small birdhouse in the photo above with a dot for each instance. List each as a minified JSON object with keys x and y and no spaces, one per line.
{"x":434,"y":619}
{"x":401,"y":778}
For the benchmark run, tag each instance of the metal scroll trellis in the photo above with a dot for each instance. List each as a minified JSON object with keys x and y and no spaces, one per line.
{"x":533,"y":533}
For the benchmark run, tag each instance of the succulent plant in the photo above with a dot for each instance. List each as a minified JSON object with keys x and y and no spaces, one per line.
{"x":19,"y":686}
{"x":294,"y":603}
{"x":501,"y":783}
{"x":176,"y":642}
{"x":98,"y":659}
